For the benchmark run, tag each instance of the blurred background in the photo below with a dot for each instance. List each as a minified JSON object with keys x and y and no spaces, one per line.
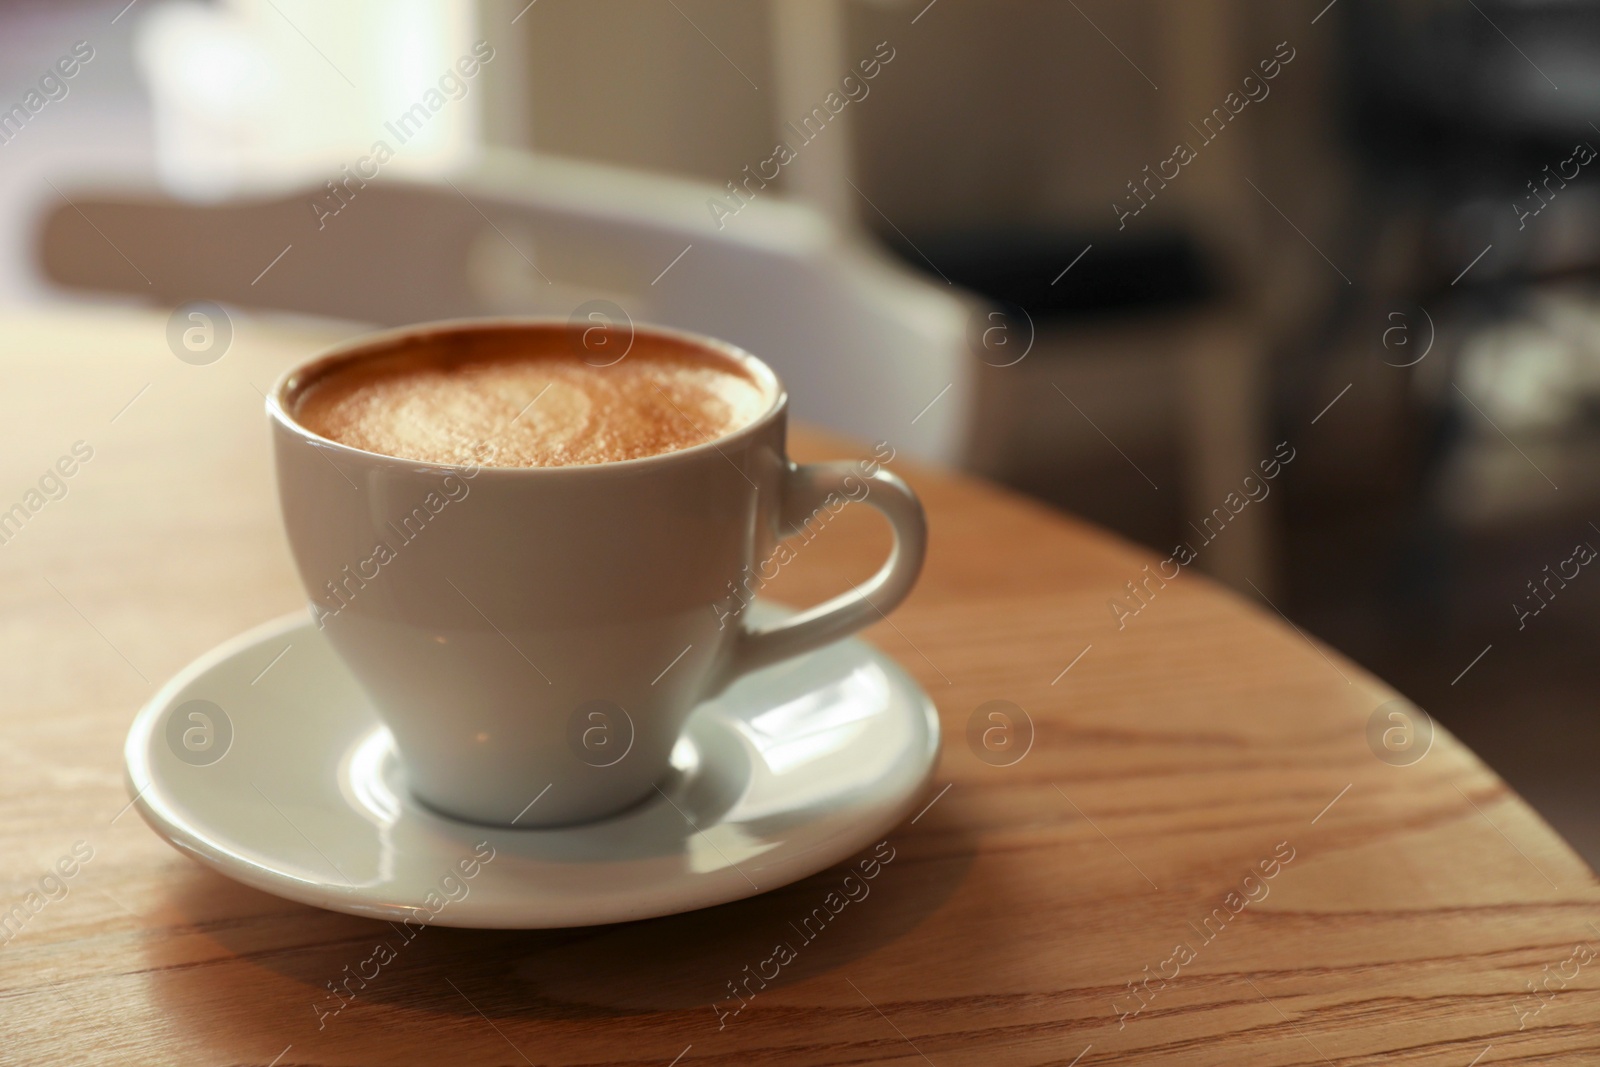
{"x":1112,"y":253}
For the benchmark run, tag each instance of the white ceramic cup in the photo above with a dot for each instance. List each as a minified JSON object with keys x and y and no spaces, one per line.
{"x":535,"y":638}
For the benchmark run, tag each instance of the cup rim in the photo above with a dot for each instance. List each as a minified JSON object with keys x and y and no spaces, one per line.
{"x":372,"y":343}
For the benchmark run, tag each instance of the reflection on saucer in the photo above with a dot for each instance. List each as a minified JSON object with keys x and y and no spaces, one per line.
{"x":813,"y":724}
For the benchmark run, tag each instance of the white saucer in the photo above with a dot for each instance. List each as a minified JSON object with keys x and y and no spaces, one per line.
{"x":294,"y":788}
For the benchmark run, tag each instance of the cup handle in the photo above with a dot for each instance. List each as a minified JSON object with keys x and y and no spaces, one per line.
{"x":807,"y":488}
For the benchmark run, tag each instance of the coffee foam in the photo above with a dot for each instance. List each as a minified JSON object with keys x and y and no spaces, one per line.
{"x":524,"y":399}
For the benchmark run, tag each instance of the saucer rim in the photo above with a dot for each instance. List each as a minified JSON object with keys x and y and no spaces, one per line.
{"x":179,"y":832}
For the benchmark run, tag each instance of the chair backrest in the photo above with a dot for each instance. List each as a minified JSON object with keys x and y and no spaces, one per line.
{"x":863,"y":345}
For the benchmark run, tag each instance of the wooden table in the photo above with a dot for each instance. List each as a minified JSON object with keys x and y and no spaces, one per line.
{"x":1175,"y":755}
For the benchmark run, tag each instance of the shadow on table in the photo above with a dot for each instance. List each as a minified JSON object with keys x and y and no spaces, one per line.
{"x":695,"y":962}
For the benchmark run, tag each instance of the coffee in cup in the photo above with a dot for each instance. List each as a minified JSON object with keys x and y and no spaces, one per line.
{"x":533,"y":404}
{"x":516,"y":551}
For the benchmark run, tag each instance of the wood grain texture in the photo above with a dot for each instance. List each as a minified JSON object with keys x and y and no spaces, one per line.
{"x":1173,"y":757}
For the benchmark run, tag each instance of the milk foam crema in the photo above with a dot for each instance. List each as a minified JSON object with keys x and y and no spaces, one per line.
{"x":527,"y":400}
